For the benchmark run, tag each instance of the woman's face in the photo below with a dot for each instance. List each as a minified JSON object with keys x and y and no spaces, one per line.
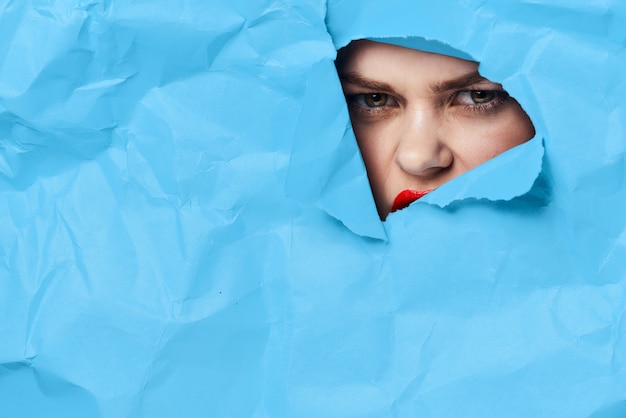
{"x":422,"y":119}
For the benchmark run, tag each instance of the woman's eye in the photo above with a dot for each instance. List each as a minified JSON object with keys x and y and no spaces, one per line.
{"x":375,"y":99}
{"x":372,"y":103}
{"x":482,"y":96}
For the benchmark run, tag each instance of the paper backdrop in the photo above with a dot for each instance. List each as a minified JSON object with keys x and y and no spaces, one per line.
{"x":187,"y":229}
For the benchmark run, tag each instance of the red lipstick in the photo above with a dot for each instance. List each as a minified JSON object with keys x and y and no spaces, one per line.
{"x":406,"y":197}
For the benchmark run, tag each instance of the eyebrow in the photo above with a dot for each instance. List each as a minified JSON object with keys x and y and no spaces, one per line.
{"x":460,"y":82}
{"x":364,"y":82}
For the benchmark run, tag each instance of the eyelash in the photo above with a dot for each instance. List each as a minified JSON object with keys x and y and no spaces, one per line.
{"x":356,"y":102}
{"x":500,"y":97}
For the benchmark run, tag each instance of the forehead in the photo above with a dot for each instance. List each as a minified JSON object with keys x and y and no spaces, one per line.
{"x":377,"y":59}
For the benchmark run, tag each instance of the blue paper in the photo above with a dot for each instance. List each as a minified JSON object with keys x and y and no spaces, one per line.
{"x":187,"y":228}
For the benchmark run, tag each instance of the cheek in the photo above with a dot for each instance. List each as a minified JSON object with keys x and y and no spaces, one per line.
{"x":373,"y":141}
{"x":376,"y":143}
{"x":523,"y":126}
{"x":483,"y":139}
{"x":516,"y":130}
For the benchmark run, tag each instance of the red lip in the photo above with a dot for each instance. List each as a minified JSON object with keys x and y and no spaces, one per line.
{"x":406,"y":197}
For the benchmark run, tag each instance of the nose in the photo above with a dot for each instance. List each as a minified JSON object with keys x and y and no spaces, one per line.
{"x":422,"y":148}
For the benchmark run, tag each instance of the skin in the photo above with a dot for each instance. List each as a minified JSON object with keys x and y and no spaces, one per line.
{"x":422,"y":119}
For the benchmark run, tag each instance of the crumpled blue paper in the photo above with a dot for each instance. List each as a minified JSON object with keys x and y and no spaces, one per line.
{"x":186,"y":225}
